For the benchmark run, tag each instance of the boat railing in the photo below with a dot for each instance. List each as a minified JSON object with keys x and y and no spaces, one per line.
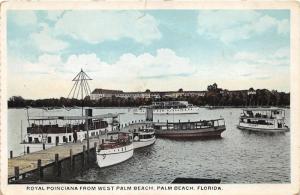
{"x":201,"y":124}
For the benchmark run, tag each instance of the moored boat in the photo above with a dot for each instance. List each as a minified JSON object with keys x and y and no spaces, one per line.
{"x":169,"y":107}
{"x":117,"y":148}
{"x":143,"y":137}
{"x":266,"y":120}
{"x":48,"y":131}
{"x":190,"y":130}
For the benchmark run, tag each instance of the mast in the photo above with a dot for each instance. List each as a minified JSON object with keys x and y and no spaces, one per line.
{"x":81,"y":88}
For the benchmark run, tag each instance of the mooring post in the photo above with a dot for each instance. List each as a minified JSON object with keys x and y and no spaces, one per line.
{"x":71,"y":160}
{"x":39,"y":165}
{"x":17,"y":173}
{"x":44,"y":147}
{"x":57,"y":165}
{"x":95,"y":151}
{"x":11,"y":154}
{"x":83,"y":156}
{"x":28,"y":151}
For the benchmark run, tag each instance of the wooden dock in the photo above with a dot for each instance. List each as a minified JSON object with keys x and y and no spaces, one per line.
{"x":34,"y":163}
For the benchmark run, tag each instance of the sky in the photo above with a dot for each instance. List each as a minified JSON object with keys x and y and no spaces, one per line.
{"x":135,"y":50}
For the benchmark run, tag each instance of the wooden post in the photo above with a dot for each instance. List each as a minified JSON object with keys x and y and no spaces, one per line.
{"x":71,"y":160}
{"x":17,"y":173}
{"x":28,"y":151}
{"x":11,"y":154}
{"x":57,"y":165}
{"x":83,"y":157}
{"x":44,"y":147}
{"x":95,"y":151}
{"x":39,"y":165}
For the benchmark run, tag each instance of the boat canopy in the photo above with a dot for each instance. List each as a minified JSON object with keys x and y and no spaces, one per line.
{"x":47,"y":118}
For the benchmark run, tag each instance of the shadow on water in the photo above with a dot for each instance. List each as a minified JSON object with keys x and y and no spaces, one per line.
{"x":262,"y":134}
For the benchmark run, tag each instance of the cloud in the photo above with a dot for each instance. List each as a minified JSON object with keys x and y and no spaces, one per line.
{"x":98,"y":26}
{"x":280,"y":57}
{"x":24,"y":18}
{"x":231,"y":26}
{"x":165,"y":64}
{"x":46,"y":42}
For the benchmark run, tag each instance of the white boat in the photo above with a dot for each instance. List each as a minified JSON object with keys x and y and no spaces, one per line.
{"x":169,"y":107}
{"x":117,"y":148}
{"x":47,"y":131}
{"x":143,"y":137}
{"x":266,"y":120}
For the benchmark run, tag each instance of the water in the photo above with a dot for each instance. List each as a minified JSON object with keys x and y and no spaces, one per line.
{"x":239,"y":157}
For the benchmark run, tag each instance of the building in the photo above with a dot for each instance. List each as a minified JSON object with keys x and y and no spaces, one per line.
{"x":108,"y":93}
{"x":104,"y":93}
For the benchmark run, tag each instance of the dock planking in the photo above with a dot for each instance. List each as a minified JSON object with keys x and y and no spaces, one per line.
{"x":28,"y":162}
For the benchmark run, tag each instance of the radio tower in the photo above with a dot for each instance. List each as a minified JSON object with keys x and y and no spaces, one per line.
{"x":80,"y":88}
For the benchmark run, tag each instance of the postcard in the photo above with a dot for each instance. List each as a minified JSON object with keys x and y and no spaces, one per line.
{"x":148,"y":97}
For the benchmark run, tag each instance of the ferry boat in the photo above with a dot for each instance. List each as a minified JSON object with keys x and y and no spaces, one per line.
{"x":190,"y":130}
{"x":48,"y":131}
{"x":117,"y":148}
{"x":267,"y":120}
{"x":169,"y":107}
{"x":143,"y":137}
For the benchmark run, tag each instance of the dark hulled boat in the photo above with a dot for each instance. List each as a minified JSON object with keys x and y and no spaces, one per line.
{"x":190,"y":130}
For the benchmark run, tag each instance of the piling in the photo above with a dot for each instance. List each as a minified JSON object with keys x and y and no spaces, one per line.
{"x":71,"y":160}
{"x":83,"y":157}
{"x":11,"y":154}
{"x":44,"y":147}
{"x":95,"y":150}
{"x":40,"y":170}
{"x":57,"y":166}
{"x":17,"y":173}
{"x":28,"y":151}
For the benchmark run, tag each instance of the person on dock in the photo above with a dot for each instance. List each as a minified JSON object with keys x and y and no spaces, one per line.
{"x":74,"y":136}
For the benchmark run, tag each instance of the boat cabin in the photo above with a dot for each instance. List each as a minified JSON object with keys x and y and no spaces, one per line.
{"x":262,"y":117}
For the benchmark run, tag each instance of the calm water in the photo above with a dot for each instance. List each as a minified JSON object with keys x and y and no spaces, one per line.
{"x":239,"y":157}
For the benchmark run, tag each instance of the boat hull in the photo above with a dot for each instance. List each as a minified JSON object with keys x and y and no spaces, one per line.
{"x":263,"y":130}
{"x":211,"y":132}
{"x":114,"y":156}
{"x":144,"y":142}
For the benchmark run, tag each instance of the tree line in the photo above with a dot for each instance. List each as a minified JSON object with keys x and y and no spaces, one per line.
{"x":213,"y":97}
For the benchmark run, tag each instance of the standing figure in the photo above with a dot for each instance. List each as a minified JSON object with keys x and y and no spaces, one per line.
{"x":74,"y":136}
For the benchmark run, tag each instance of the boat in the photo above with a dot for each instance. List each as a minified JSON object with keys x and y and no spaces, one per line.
{"x":47,"y":131}
{"x":266,"y":120}
{"x":143,"y":137}
{"x":117,"y":148}
{"x":190,"y":130}
{"x":169,"y":107}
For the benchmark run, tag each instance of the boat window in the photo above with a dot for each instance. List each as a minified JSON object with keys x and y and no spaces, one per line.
{"x":29,"y":139}
{"x":56,"y":139}
{"x":65,"y":139}
{"x":36,"y":140}
{"x":49,"y":140}
{"x":70,"y":138}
